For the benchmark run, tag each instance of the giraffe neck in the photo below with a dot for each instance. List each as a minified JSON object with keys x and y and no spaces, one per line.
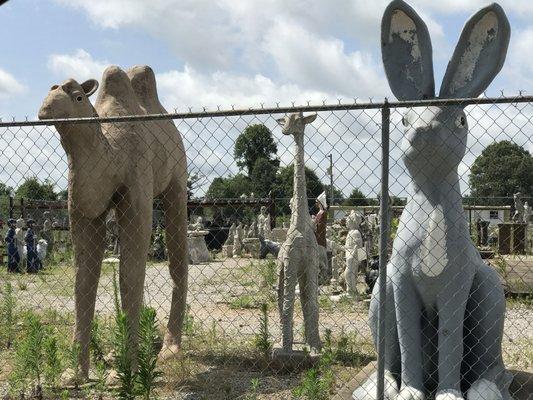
{"x":300,"y":212}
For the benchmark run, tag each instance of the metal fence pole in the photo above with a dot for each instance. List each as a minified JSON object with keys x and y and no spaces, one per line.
{"x":383,"y":246}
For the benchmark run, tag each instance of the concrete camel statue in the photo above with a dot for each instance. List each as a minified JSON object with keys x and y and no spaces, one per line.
{"x":123,"y":166}
{"x":445,"y":306}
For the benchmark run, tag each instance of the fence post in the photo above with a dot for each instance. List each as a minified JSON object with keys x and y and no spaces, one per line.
{"x":11,"y":207}
{"x":383,"y":247}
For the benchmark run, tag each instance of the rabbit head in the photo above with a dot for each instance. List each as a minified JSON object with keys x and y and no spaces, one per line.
{"x":436,"y":136}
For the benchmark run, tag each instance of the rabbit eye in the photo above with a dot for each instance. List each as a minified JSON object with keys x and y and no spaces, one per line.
{"x":405,"y":122}
{"x":460,"y":121}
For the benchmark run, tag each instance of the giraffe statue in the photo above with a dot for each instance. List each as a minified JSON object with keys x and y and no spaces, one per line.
{"x":298,"y":259}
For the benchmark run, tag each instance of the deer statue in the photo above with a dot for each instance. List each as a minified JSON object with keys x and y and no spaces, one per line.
{"x":121,"y":166}
{"x":445,"y":306}
{"x":298,"y":258}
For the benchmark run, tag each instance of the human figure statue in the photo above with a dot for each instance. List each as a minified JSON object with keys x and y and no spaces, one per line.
{"x":298,"y":258}
{"x":33,"y":261}
{"x":263,"y":224}
{"x":354,"y":242}
{"x":231,"y":235}
{"x":527,"y":213}
{"x":320,"y":220}
{"x":158,"y":247}
{"x":518,"y":207}
{"x":237,"y":242}
{"x":47,"y":233}
{"x":13,"y":256}
{"x":444,"y":307}
{"x":19,"y":237}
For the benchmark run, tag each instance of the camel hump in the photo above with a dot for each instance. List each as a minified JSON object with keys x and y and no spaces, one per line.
{"x":116,"y":96}
{"x":144,"y":85}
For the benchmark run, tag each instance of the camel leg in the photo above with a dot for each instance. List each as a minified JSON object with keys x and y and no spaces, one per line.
{"x":134,"y":216}
{"x":309,"y":299}
{"x":88,"y":239}
{"x":175,"y":206}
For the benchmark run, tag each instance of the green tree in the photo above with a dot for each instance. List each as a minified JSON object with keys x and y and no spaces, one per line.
{"x":284,"y":187}
{"x":263,"y":176}
{"x":32,"y":189}
{"x":255,"y":142}
{"x":5,"y":190}
{"x":231,"y":188}
{"x":357,"y":198}
{"x":501,"y":170}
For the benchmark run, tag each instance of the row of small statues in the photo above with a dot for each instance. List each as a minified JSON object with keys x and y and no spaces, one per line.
{"x":22,"y":245}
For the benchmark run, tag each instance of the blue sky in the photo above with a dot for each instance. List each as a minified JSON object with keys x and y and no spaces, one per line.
{"x":226,"y":52}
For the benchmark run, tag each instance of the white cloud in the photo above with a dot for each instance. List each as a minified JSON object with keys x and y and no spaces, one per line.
{"x":80,"y":65}
{"x":9,"y":85}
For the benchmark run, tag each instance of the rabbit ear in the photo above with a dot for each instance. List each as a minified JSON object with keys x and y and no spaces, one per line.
{"x":406,"y":52}
{"x":479,"y":55}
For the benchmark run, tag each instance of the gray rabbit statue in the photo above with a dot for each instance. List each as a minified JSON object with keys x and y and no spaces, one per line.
{"x":445,"y":306}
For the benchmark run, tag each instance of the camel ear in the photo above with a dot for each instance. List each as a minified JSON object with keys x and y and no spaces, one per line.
{"x":89,"y":87}
{"x":407,"y":53}
{"x":479,"y":55}
{"x":309,"y":119}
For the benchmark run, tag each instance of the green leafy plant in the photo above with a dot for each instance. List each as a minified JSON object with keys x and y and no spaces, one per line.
{"x":147,"y":373}
{"x":96,"y":345}
{"x":189,"y":325}
{"x":262,"y":340}
{"x":53,"y":365}
{"x":8,"y":316}
{"x":123,"y":362}
{"x":29,"y":356}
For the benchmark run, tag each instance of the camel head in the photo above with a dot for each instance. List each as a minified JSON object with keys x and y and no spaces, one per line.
{"x":294,"y":124}
{"x":69,"y":100}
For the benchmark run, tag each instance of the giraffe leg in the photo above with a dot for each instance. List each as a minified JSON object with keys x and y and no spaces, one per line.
{"x":309,"y":299}
{"x":287,"y":313}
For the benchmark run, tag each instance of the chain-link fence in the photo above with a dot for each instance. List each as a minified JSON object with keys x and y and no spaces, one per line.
{"x":254,"y":228}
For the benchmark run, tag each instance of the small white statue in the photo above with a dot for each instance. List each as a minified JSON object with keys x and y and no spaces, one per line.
{"x":19,"y":237}
{"x":231,"y":235}
{"x":354,"y":241}
{"x":237,"y":241}
{"x":519,"y":208}
{"x":263,"y":224}
{"x":527,"y":212}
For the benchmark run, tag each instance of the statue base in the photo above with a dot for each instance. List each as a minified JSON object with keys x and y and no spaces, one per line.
{"x":295,"y":359}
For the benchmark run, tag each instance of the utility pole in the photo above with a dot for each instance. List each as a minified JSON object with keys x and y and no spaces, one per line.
{"x":330,"y":173}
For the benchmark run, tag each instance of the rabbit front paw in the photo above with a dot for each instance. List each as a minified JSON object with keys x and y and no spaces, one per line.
{"x":410,"y":393}
{"x":484,"y":389}
{"x":449,"y":394}
{"x":368,"y":390}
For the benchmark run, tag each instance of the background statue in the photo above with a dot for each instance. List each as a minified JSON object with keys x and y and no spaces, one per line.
{"x":33,"y":261}
{"x":518,"y":215}
{"x":47,"y":233}
{"x":158,"y":246}
{"x":120,"y":171}
{"x":527,"y":213}
{"x":264,"y":224}
{"x":298,"y":258}
{"x":321,"y":221}
{"x":13,"y":256}
{"x":19,"y":238}
{"x":445,"y":305}
{"x":354,"y":241}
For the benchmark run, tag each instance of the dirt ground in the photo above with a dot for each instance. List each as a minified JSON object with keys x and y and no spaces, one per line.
{"x":224,"y":317}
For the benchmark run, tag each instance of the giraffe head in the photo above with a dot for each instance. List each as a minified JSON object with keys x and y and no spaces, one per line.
{"x":294,"y":124}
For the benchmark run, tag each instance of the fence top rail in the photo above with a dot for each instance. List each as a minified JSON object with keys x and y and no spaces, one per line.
{"x":279,"y":110}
